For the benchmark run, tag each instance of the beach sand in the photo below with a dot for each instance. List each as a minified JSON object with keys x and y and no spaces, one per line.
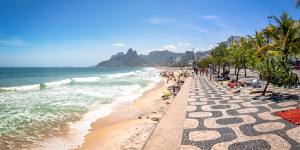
{"x":130,"y":124}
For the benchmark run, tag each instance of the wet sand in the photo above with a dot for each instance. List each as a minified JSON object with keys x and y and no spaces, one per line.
{"x":130,"y":124}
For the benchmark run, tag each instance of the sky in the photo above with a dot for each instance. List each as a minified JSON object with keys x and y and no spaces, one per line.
{"x":79,"y":33}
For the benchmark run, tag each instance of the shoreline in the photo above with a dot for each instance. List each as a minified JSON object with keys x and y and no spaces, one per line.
{"x":121,"y":110}
{"x":130,"y":124}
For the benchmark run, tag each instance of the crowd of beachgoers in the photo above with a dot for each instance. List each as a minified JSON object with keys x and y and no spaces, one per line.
{"x":250,"y":84}
{"x":177,"y":77}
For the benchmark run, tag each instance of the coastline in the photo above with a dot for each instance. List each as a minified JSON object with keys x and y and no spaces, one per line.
{"x":130,"y":124}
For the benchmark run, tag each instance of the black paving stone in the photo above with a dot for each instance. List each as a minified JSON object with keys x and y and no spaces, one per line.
{"x":217,"y":98}
{"x":250,"y":145}
{"x":220,"y":106}
{"x":226,"y":121}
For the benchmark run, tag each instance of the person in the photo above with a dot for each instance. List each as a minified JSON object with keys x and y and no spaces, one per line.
{"x":174,"y":90}
{"x":210,"y":71}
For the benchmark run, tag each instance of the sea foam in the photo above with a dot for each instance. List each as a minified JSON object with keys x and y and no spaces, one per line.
{"x":89,"y":98}
{"x":51,"y":84}
{"x":87,"y":79}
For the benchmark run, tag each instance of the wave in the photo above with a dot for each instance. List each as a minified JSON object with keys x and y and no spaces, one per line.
{"x":87,"y":79}
{"x":44,"y":85}
{"x":78,"y":130}
{"x":149,"y":69}
{"x":49,"y":84}
{"x":21,"y":88}
{"x":58,"y":83}
{"x":120,"y":75}
{"x":86,"y":102}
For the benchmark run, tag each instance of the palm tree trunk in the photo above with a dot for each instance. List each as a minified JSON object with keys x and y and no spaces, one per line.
{"x":265,"y":89}
{"x":245,"y":71}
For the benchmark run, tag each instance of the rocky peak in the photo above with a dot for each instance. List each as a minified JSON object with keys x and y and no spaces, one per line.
{"x":131,"y":52}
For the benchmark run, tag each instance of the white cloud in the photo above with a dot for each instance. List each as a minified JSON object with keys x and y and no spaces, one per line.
{"x":211,"y":46}
{"x":12,"y":42}
{"x":184,"y":44}
{"x":169,"y":47}
{"x":159,"y":20}
{"x":215,"y":19}
{"x":223,"y":25}
{"x":210,"y":17}
{"x":118,"y":44}
{"x":199,"y":29}
{"x":205,"y":47}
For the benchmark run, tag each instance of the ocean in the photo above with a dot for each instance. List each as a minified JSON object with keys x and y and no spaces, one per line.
{"x":37,"y":105}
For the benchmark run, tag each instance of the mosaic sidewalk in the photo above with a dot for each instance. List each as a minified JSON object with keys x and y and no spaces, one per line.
{"x":217,"y":119}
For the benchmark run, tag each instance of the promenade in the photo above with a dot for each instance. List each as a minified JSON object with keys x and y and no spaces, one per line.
{"x":215,"y":118}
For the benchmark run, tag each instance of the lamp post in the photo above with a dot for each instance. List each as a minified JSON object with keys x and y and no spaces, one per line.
{"x":268,"y":38}
{"x":270,"y":17}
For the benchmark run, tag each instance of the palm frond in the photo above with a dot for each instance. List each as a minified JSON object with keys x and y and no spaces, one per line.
{"x":273,"y":53}
{"x":263,"y":50}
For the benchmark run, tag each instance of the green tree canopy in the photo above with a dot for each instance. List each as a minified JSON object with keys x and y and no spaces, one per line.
{"x":275,"y":70}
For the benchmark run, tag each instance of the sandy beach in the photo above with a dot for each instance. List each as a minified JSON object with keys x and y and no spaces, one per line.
{"x":130,"y":124}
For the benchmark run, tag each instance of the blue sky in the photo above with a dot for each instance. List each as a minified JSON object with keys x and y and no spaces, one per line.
{"x":60,"y":33}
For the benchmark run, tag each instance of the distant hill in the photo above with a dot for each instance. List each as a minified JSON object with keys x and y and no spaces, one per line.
{"x":161,"y":57}
{"x":132,"y":59}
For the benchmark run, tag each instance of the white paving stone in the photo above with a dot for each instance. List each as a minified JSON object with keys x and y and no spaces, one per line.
{"x":190,"y":123}
{"x":269,"y":126}
{"x":247,"y":110}
{"x":294,"y":134}
{"x":200,"y":114}
{"x":204,"y":135}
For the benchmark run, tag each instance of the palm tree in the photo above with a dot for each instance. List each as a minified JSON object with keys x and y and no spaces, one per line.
{"x":258,"y":41}
{"x":285,"y":35}
{"x":261,"y":42}
{"x":298,"y":3}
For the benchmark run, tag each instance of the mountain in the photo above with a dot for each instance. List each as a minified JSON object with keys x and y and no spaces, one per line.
{"x":161,"y":57}
{"x":132,"y":59}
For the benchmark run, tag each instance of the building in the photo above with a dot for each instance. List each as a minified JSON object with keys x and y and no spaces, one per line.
{"x":233,"y":39}
{"x":189,"y":57}
{"x":200,"y":55}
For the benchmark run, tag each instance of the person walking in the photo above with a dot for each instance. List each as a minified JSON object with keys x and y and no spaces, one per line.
{"x":210,"y":71}
{"x":197,"y":71}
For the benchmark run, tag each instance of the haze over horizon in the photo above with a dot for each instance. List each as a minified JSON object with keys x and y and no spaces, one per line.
{"x":83,"y":33}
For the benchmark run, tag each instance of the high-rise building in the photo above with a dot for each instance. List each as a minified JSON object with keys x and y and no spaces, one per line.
{"x":189,"y":57}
